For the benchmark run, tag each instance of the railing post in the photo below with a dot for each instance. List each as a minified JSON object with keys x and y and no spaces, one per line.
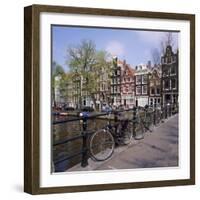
{"x":168,"y":110}
{"x":134,"y":121}
{"x":165,"y":108}
{"x":115,"y":122}
{"x":161,"y":114}
{"x":84,"y":161}
{"x":146,"y":118}
{"x":154,"y":114}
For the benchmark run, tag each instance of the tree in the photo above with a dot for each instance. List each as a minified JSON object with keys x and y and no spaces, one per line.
{"x":99,"y":69}
{"x":64,"y":84}
{"x":89,"y":63}
{"x":157,"y":52}
{"x":156,"y":55}
{"x":82,"y":56}
{"x":57,"y":79}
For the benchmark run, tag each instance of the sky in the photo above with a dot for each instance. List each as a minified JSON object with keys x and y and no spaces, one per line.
{"x":135,"y":46}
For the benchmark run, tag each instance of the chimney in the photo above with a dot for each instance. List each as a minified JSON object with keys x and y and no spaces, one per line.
{"x":149,"y":64}
{"x":124,"y":62}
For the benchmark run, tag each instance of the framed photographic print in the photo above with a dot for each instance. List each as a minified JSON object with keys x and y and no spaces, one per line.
{"x":109,"y":99}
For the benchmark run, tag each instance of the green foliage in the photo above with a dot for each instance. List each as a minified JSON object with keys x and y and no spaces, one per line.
{"x":81,"y":57}
{"x":58,"y":79}
{"x":90,"y":64}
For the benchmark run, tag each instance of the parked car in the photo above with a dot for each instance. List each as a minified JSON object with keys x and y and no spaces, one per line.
{"x":68,"y":108}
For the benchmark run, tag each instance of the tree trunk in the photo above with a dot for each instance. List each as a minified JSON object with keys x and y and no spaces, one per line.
{"x":94,"y":101}
{"x":54,"y":98}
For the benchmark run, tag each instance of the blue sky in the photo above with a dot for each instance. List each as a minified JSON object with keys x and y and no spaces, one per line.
{"x":135,"y":46}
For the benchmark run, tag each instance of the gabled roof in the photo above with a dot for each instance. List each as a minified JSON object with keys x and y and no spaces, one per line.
{"x":120,"y":62}
{"x":155,"y":71}
{"x":128,"y":68}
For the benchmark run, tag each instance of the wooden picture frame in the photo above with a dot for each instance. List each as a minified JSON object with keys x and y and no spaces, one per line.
{"x":32,"y":95}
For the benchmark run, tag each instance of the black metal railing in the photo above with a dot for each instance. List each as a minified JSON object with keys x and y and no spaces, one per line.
{"x":164,"y":112}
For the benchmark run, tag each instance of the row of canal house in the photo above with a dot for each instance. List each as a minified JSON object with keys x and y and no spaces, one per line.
{"x":138,"y":86}
{"x":127,"y":85}
{"x":145,"y":84}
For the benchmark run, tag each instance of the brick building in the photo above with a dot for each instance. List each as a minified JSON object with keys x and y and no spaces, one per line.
{"x":155,"y":86}
{"x":115,"y":85}
{"x":128,"y":86}
{"x":169,"y":79}
{"x":142,"y":85}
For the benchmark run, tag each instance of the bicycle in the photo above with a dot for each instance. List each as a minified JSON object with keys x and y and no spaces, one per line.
{"x":143,"y":122}
{"x":158,"y":116}
{"x":103,"y":141}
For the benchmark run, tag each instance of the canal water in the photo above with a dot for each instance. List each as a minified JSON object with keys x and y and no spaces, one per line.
{"x":68,"y":130}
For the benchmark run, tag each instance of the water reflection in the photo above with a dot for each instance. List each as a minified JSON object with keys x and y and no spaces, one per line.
{"x":68,"y":130}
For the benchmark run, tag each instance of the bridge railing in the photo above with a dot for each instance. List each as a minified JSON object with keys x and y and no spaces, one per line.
{"x":162,"y":113}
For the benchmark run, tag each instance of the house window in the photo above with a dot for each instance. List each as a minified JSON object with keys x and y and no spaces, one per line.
{"x":152,"y":91}
{"x":138,"y":90}
{"x":158,"y":91}
{"x":158,"y":101}
{"x":173,"y":69}
{"x":138,"y":79}
{"x":115,"y":89}
{"x":174,"y":98}
{"x":174,"y":58}
{"x":169,"y":59}
{"x":166,"y":84}
{"x":144,"y":79}
{"x":144,"y":89}
{"x":173,"y":83}
{"x":103,"y":86}
{"x":165,"y":71}
{"x":151,"y":101}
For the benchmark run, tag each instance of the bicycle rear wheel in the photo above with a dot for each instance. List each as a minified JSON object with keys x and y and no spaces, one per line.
{"x":148,"y":122}
{"x":139,"y":131}
{"x":158,"y":117}
{"x":101,"y":145}
{"x":127,"y":133}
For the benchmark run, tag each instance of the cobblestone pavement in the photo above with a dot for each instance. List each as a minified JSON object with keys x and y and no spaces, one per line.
{"x":158,"y":149}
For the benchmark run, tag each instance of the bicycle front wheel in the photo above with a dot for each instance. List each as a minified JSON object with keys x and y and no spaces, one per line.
{"x":101,"y":145}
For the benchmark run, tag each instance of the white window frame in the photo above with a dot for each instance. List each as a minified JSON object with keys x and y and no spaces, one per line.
{"x":140,"y":90}
{"x":143,"y":89}
{"x":137,"y":77}
{"x":145,"y":75}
